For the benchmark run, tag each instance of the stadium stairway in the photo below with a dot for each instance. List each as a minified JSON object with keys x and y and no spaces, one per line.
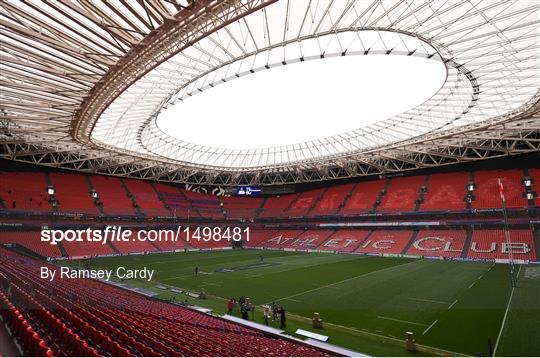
{"x":131,"y":197}
{"x":364,"y":240}
{"x":116,"y":251}
{"x":92,"y":189}
{"x":409,"y":244}
{"x":467,"y":244}
{"x":381,"y":195}
{"x":346,"y":198}
{"x":420,"y":199}
{"x":160,"y":198}
{"x":62,"y":249}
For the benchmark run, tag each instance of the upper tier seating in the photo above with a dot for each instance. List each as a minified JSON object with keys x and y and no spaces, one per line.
{"x":113,"y":195}
{"x":446,"y":191}
{"x":73,"y":193}
{"x":487,"y":189}
{"x":344,"y":240}
{"x":24,"y":191}
{"x":445,"y":243}
{"x":492,"y":244}
{"x":332,"y":200}
{"x":241,"y":207}
{"x":146,"y":198}
{"x":208,"y":206}
{"x":32,"y":241}
{"x":363,"y":197}
{"x":178,"y":204}
{"x":277,"y":205}
{"x":304,"y":202}
{"x":401,"y":194}
{"x":385,"y":242}
{"x":80,"y":317}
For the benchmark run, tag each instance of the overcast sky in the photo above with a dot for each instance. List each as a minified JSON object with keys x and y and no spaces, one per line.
{"x":303,"y":101}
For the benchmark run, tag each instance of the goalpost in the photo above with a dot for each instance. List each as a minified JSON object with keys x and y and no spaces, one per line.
{"x":513,"y":278}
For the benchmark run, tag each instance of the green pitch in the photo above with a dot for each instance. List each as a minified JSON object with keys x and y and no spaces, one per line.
{"x":367,"y":303}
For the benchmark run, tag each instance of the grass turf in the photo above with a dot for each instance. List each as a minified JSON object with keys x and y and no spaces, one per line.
{"x":367,"y":303}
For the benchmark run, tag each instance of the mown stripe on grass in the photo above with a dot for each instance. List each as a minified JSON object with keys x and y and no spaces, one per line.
{"x":346,"y":280}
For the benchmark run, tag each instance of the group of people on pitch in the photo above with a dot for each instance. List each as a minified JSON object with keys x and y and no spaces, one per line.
{"x":277,"y":314}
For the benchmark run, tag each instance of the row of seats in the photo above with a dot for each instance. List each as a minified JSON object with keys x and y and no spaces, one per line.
{"x":143,"y":242}
{"x":81,"y":317}
{"x":448,"y":191}
{"x":485,"y":244}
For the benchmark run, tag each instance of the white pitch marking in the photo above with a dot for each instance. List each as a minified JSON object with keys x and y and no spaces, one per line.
{"x":472,"y":284}
{"x":504,"y":318}
{"x":398,"y":320}
{"x":291,"y":299}
{"x":452,"y":305}
{"x":425,"y":300}
{"x":346,"y":280}
{"x":431,"y":325}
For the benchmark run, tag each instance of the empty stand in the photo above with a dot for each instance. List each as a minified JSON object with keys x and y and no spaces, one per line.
{"x":445,"y":243}
{"x":134,"y":244}
{"x":85,"y":249}
{"x":401,"y":194}
{"x":146,"y":198}
{"x":304,"y":202}
{"x":386,"y":242}
{"x":344,"y":240}
{"x":24,"y":191}
{"x":277,"y":206}
{"x":332,"y":200}
{"x":208,"y":206}
{"x":363,"y":197}
{"x":446,"y":191}
{"x":487,"y":189}
{"x":281,"y":239}
{"x":113,"y":195}
{"x":241,"y":208}
{"x":79,"y":317}
{"x":493,"y":244}
{"x":73,"y":193}
{"x":32,"y":241}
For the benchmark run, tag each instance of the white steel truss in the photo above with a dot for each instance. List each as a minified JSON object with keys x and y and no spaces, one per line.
{"x":83,"y":82}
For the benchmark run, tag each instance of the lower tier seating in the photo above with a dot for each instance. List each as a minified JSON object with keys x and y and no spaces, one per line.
{"x":30,"y":240}
{"x":385,"y":242}
{"x":82,"y":317}
{"x":445,"y":243}
{"x":344,"y":240}
{"x":493,"y":244}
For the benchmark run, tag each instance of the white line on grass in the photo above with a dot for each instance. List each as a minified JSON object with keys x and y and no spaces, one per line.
{"x":426,"y":300}
{"x":472,"y":284}
{"x":431,"y":325}
{"x":398,"y":320}
{"x":504,"y":318}
{"x":346,"y":280}
{"x":291,"y":299}
{"x":452,"y":305}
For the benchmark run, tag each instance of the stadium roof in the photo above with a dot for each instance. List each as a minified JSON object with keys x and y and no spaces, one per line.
{"x":84,"y":83}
